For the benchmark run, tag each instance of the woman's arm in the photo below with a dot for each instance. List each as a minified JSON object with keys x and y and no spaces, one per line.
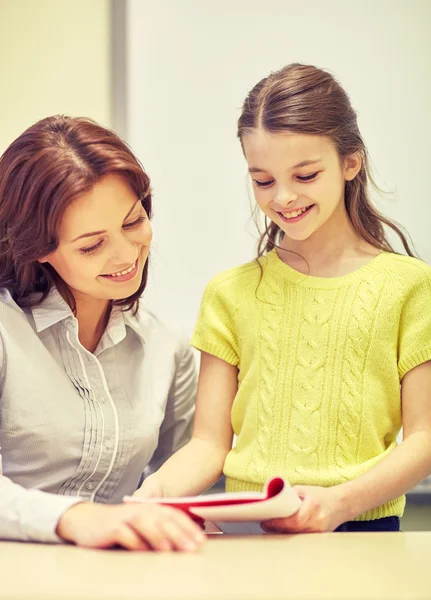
{"x":199,"y":463}
{"x":323,"y":509}
{"x":32,"y":515}
{"x":177,"y":425}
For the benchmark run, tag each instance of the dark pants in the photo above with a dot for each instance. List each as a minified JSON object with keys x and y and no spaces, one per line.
{"x":384,"y":524}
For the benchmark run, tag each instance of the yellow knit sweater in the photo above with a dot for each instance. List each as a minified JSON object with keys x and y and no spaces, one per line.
{"x":320,"y":362}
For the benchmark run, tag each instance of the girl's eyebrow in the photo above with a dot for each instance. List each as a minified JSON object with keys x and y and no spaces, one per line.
{"x":303,"y":163}
{"x":91,"y":233}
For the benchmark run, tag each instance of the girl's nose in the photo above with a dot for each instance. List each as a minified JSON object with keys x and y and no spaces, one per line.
{"x":284,"y":197}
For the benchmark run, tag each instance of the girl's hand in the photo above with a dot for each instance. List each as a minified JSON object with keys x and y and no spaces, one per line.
{"x":322,"y":509}
{"x":150,"y":488}
{"x":132,"y":526}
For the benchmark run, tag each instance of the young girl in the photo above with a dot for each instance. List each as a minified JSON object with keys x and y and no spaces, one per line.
{"x":93,"y":388}
{"x":318,"y":352}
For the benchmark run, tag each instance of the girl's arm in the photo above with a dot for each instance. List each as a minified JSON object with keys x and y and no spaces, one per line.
{"x":199,"y":464}
{"x":410,"y":462}
{"x":323,"y":509}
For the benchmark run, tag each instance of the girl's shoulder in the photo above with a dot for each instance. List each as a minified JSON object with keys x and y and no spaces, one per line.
{"x":236,"y":279}
{"x":407,"y":270}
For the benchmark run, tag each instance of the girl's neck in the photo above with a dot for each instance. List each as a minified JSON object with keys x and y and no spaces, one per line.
{"x":334,"y":250}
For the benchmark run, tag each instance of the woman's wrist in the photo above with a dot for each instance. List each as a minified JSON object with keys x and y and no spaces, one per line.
{"x":66,"y":523}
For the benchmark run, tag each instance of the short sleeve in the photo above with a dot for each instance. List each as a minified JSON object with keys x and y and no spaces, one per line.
{"x":414,"y":345}
{"x":215,"y":328}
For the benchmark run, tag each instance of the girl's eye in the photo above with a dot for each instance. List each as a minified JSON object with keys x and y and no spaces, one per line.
{"x":91,"y":249}
{"x":307,"y":177}
{"x":263,"y":183}
{"x":138,"y":221}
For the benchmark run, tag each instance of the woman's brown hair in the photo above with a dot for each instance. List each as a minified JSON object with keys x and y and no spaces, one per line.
{"x":304,"y":99}
{"x":45,"y":169}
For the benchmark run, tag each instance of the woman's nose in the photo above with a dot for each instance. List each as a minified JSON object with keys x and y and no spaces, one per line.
{"x":125,"y":252}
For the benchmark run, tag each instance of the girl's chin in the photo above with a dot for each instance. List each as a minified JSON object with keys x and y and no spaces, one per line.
{"x":298,"y":236}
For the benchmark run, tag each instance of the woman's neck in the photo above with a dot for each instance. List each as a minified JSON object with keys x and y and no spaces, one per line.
{"x":93,"y":316}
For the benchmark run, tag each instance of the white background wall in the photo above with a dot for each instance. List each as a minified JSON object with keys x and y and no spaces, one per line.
{"x":190,"y":65}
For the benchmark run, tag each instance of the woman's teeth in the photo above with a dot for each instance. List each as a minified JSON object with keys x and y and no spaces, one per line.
{"x":126,"y":272}
{"x":295,"y":213}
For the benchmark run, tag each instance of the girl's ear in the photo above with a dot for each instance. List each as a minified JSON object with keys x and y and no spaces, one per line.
{"x":352,"y":166}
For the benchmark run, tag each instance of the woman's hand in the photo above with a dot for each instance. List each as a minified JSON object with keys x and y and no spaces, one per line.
{"x":322,"y":509}
{"x":132,"y":526}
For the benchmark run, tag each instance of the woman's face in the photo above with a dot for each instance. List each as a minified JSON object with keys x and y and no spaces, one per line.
{"x":104,"y":241}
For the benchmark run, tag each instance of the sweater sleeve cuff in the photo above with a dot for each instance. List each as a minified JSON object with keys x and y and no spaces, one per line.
{"x":228,"y":355}
{"x":414,"y":359}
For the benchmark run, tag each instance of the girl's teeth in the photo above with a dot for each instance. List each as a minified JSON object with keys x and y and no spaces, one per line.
{"x":294,"y":214}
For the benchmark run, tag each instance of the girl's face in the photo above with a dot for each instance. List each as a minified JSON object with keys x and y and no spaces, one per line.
{"x":298,"y":179}
{"x":104,"y":241}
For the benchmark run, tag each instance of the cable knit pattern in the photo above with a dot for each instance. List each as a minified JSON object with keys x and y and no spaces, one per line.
{"x":309,"y":374}
{"x":320,"y":362}
{"x":361,"y":323}
{"x":268,"y":345}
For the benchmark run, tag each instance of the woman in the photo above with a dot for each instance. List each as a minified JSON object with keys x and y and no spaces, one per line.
{"x":94,"y":389}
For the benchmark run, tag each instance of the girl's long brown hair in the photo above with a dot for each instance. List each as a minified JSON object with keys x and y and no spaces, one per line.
{"x":304,"y":99}
{"x":45,"y":169}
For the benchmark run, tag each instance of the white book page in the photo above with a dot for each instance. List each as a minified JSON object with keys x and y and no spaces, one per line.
{"x":278,"y":500}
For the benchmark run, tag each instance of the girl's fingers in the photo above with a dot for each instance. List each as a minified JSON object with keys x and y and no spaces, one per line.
{"x":294,"y":524}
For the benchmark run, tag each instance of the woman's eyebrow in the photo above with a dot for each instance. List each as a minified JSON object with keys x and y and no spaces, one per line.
{"x":91,"y":233}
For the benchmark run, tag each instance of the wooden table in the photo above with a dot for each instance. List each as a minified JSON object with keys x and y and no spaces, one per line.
{"x":324,"y":566}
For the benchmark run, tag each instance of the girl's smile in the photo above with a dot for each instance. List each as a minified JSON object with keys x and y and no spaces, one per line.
{"x":293,"y":216}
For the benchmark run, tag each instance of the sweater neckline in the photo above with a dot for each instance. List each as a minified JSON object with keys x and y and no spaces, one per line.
{"x":289,"y":273}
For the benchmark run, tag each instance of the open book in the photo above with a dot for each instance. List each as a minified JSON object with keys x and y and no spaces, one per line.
{"x":277,"y":500}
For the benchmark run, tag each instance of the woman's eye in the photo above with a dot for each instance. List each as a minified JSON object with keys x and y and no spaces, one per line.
{"x":263,"y":183}
{"x":138,"y":221}
{"x":307,"y":177}
{"x":91,"y":249}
